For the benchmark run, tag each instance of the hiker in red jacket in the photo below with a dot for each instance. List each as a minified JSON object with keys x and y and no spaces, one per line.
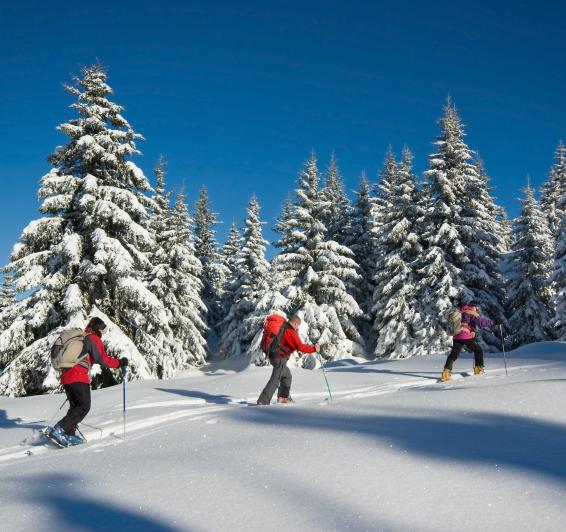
{"x":281,"y":375}
{"x":76,"y":382}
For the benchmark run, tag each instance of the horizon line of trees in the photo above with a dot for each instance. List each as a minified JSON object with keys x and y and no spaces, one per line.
{"x":374,"y":276}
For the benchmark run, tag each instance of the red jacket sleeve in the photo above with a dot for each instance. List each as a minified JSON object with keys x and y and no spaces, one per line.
{"x":95,"y":349}
{"x":292,"y":341}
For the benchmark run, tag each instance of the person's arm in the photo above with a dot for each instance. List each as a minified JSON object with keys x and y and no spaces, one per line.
{"x":294,"y":341}
{"x":98,"y":354}
{"x":481,"y":322}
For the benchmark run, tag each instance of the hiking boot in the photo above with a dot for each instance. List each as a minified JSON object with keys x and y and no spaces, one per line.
{"x":478,"y":370}
{"x":57,"y":434}
{"x":446,"y":376}
{"x":283,"y":400}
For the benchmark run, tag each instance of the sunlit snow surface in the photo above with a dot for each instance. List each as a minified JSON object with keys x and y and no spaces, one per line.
{"x":394,"y":450}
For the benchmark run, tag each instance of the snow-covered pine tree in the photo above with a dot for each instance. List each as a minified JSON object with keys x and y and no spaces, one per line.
{"x":314,"y":274}
{"x":553,"y":190}
{"x":559,"y":272}
{"x":284,"y":226}
{"x":85,"y":255}
{"x":229,"y":260}
{"x":186,"y":304}
{"x":482,"y":275}
{"x":529,"y":291}
{"x":336,"y":216}
{"x":440,"y":285}
{"x":207,"y":251}
{"x":360,"y":239}
{"x":174,"y":278}
{"x":243,"y":322}
{"x":394,"y":294}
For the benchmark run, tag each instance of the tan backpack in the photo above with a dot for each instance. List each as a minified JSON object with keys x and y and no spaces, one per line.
{"x":68,"y":350}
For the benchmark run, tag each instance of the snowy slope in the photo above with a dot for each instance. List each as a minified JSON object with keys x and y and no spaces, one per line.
{"x":394,"y":450}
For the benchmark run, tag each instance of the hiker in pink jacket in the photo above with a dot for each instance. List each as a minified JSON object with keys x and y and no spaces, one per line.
{"x":471,"y":320}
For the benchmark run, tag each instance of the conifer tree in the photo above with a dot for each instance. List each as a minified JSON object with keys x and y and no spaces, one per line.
{"x":187,"y":307}
{"x":229,"y":261}
{"x":444,"y":232}
{"x":284,"y":226}
{"x":242,"y":322}
{"x":394,"y":277}
{"x":314,"y":275}
{"x":174,"y":278}
{"x":360,"y":239}
{"x":206,"y":247}
{"x":553,"y":191}
{"x":482,"y":274}
{"x":336,"y":214}
{"x":530,"y":294}
{"x":85,"y":255}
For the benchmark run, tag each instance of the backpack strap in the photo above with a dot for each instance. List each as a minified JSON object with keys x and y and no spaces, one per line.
{"x":275,"y":344}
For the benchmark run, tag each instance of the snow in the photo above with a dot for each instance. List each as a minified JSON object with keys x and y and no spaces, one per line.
{"x":394,"y":450}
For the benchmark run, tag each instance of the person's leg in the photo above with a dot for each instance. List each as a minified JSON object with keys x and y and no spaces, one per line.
{"x":454,"y":354}
{"x":285,"y":382}
{"x":475,"y":347}
{"x":78,"y":394}
{"x":273,"y":382}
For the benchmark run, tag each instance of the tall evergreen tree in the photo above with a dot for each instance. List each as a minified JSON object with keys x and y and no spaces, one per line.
{"x":314,"y":275}
{"x":206,"y":247}
{"x":185,"y":302}
{"x":85,"y":255}
{"x":284,"y":226}
{"x":445,"y":253}
{"x":553,"y":191}
{"x":530,"y":294}
{"x":394,"y":277}
{"x":229,"y":260}
{"x":360,"y":239}
{"x":482,"y":274}
{"x":336,"y":214}
{"x":242,"y":323}
{"x":175,"y":280}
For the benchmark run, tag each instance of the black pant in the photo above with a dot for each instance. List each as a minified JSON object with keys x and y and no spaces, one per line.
{"x":280,"y":376}
{"x":78,"y":394}
{"x":457,"y":347}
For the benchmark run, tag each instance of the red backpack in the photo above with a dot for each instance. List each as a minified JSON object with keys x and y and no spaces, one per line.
{"x":273,"y":329}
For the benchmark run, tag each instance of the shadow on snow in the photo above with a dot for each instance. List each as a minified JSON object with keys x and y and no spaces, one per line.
{"x":66,"y":507}
{"x":482,"y":438}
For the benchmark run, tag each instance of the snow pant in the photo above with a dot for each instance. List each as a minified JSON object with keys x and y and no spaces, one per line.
{"x":78,"y":394}
{"x":280,"y":377}
{"x":457,"y":347}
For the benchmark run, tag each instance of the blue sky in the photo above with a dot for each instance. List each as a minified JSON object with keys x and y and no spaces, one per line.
{"x":236,"y":94}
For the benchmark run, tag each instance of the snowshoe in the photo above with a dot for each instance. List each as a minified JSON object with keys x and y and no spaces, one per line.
{"x":446,"y":376}
{"x":74,"y":439}
{"x":57,"y":435}
{"x":479,"y":370}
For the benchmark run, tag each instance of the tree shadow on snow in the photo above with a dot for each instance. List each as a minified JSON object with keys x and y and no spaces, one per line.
{"x":17,"y":422}
{"x":70,"y":508}
{"x":483,"y":438}
{"x":209,"y":398}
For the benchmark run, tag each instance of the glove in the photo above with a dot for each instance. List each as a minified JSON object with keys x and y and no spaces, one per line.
{"x":123,"y":362}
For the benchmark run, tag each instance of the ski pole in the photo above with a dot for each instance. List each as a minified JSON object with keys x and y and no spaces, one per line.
{"x":124,"y":398}
{"x":322,"y":364}
{"x":503,"y":346}
{"x":56,"y":412}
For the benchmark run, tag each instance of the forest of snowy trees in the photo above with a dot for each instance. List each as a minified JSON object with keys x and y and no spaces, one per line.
{"x":373,"y":275}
